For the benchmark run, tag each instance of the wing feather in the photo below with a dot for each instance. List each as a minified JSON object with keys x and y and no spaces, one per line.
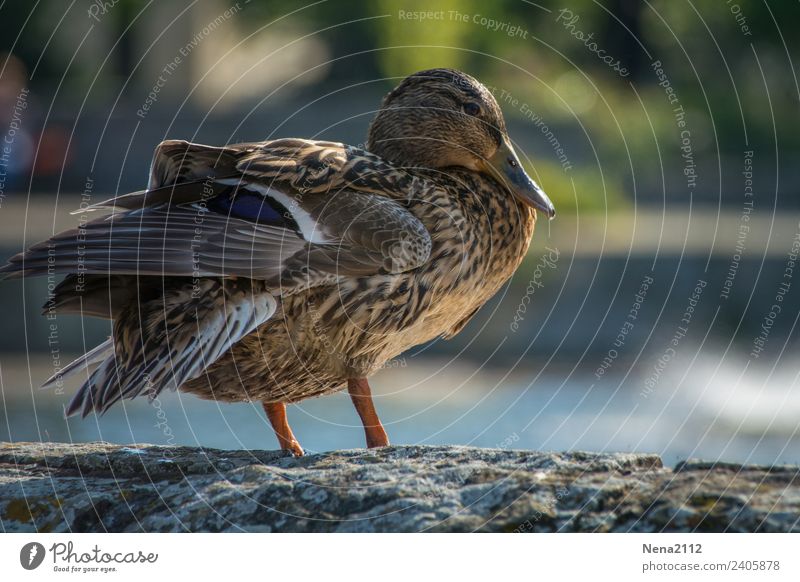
{"x":277,"y":216}
{"x":188,"y":330}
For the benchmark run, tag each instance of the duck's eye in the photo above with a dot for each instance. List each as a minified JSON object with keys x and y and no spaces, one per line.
{"x":472,"y":109}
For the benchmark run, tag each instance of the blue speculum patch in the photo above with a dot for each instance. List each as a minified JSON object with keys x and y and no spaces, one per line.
{"x":253,"y":207}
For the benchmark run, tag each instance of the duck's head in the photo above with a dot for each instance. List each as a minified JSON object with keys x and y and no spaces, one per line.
{"x":444,"y":118}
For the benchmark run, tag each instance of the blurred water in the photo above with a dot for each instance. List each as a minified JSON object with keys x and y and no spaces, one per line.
{"x":716,"y":415}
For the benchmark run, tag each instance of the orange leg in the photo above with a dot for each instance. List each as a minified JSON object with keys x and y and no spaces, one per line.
{"x":362,"y":400}
{"x":276,"y":413}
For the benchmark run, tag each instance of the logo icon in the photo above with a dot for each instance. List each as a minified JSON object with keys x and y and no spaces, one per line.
{"x":31,"y":555}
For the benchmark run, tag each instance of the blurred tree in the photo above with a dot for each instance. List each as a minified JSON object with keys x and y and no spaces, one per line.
{"x":419,"y":25}
{"x":730,"y":62}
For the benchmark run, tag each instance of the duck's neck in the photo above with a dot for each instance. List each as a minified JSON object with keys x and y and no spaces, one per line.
{"x":501,"y":224}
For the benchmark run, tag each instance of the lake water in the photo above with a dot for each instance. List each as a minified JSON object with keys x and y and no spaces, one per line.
{"x":714,"y":414}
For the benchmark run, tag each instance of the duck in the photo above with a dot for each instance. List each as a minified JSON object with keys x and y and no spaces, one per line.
{"x":289,"y":269}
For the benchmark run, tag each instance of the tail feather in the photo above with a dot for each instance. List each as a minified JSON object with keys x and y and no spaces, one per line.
{"x":90,"y":358}
{"x":87,"y":396}
{"x":173,"y":340}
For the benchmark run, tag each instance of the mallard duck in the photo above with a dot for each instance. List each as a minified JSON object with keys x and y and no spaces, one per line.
{"x":287,"y":269}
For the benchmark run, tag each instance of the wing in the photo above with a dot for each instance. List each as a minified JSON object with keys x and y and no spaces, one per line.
{"x":247,"y":223}
{"x":170,"y":341}
{"x":290,"y":212}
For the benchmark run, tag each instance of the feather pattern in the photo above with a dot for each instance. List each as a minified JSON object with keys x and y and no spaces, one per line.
{"x":171,"y":340}
{"x":170,"y":264}
{"x":86,"y":361}
{"x":261,"y":223}
{"x":281,"y":270}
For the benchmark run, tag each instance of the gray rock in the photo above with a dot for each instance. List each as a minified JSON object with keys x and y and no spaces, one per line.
{"x":104,"y":487}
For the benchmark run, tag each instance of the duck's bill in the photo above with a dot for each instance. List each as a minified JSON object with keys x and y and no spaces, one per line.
{"x":505,"y":167}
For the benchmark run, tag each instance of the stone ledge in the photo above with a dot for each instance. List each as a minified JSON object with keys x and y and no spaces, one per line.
{"x":104,"y":487}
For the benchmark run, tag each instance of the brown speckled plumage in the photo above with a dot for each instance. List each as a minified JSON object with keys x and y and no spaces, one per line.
{"x":325,"y":335}
{"x":287,"y":269}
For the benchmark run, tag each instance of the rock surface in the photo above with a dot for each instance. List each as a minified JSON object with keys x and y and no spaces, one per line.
{"x":103,"y":487}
